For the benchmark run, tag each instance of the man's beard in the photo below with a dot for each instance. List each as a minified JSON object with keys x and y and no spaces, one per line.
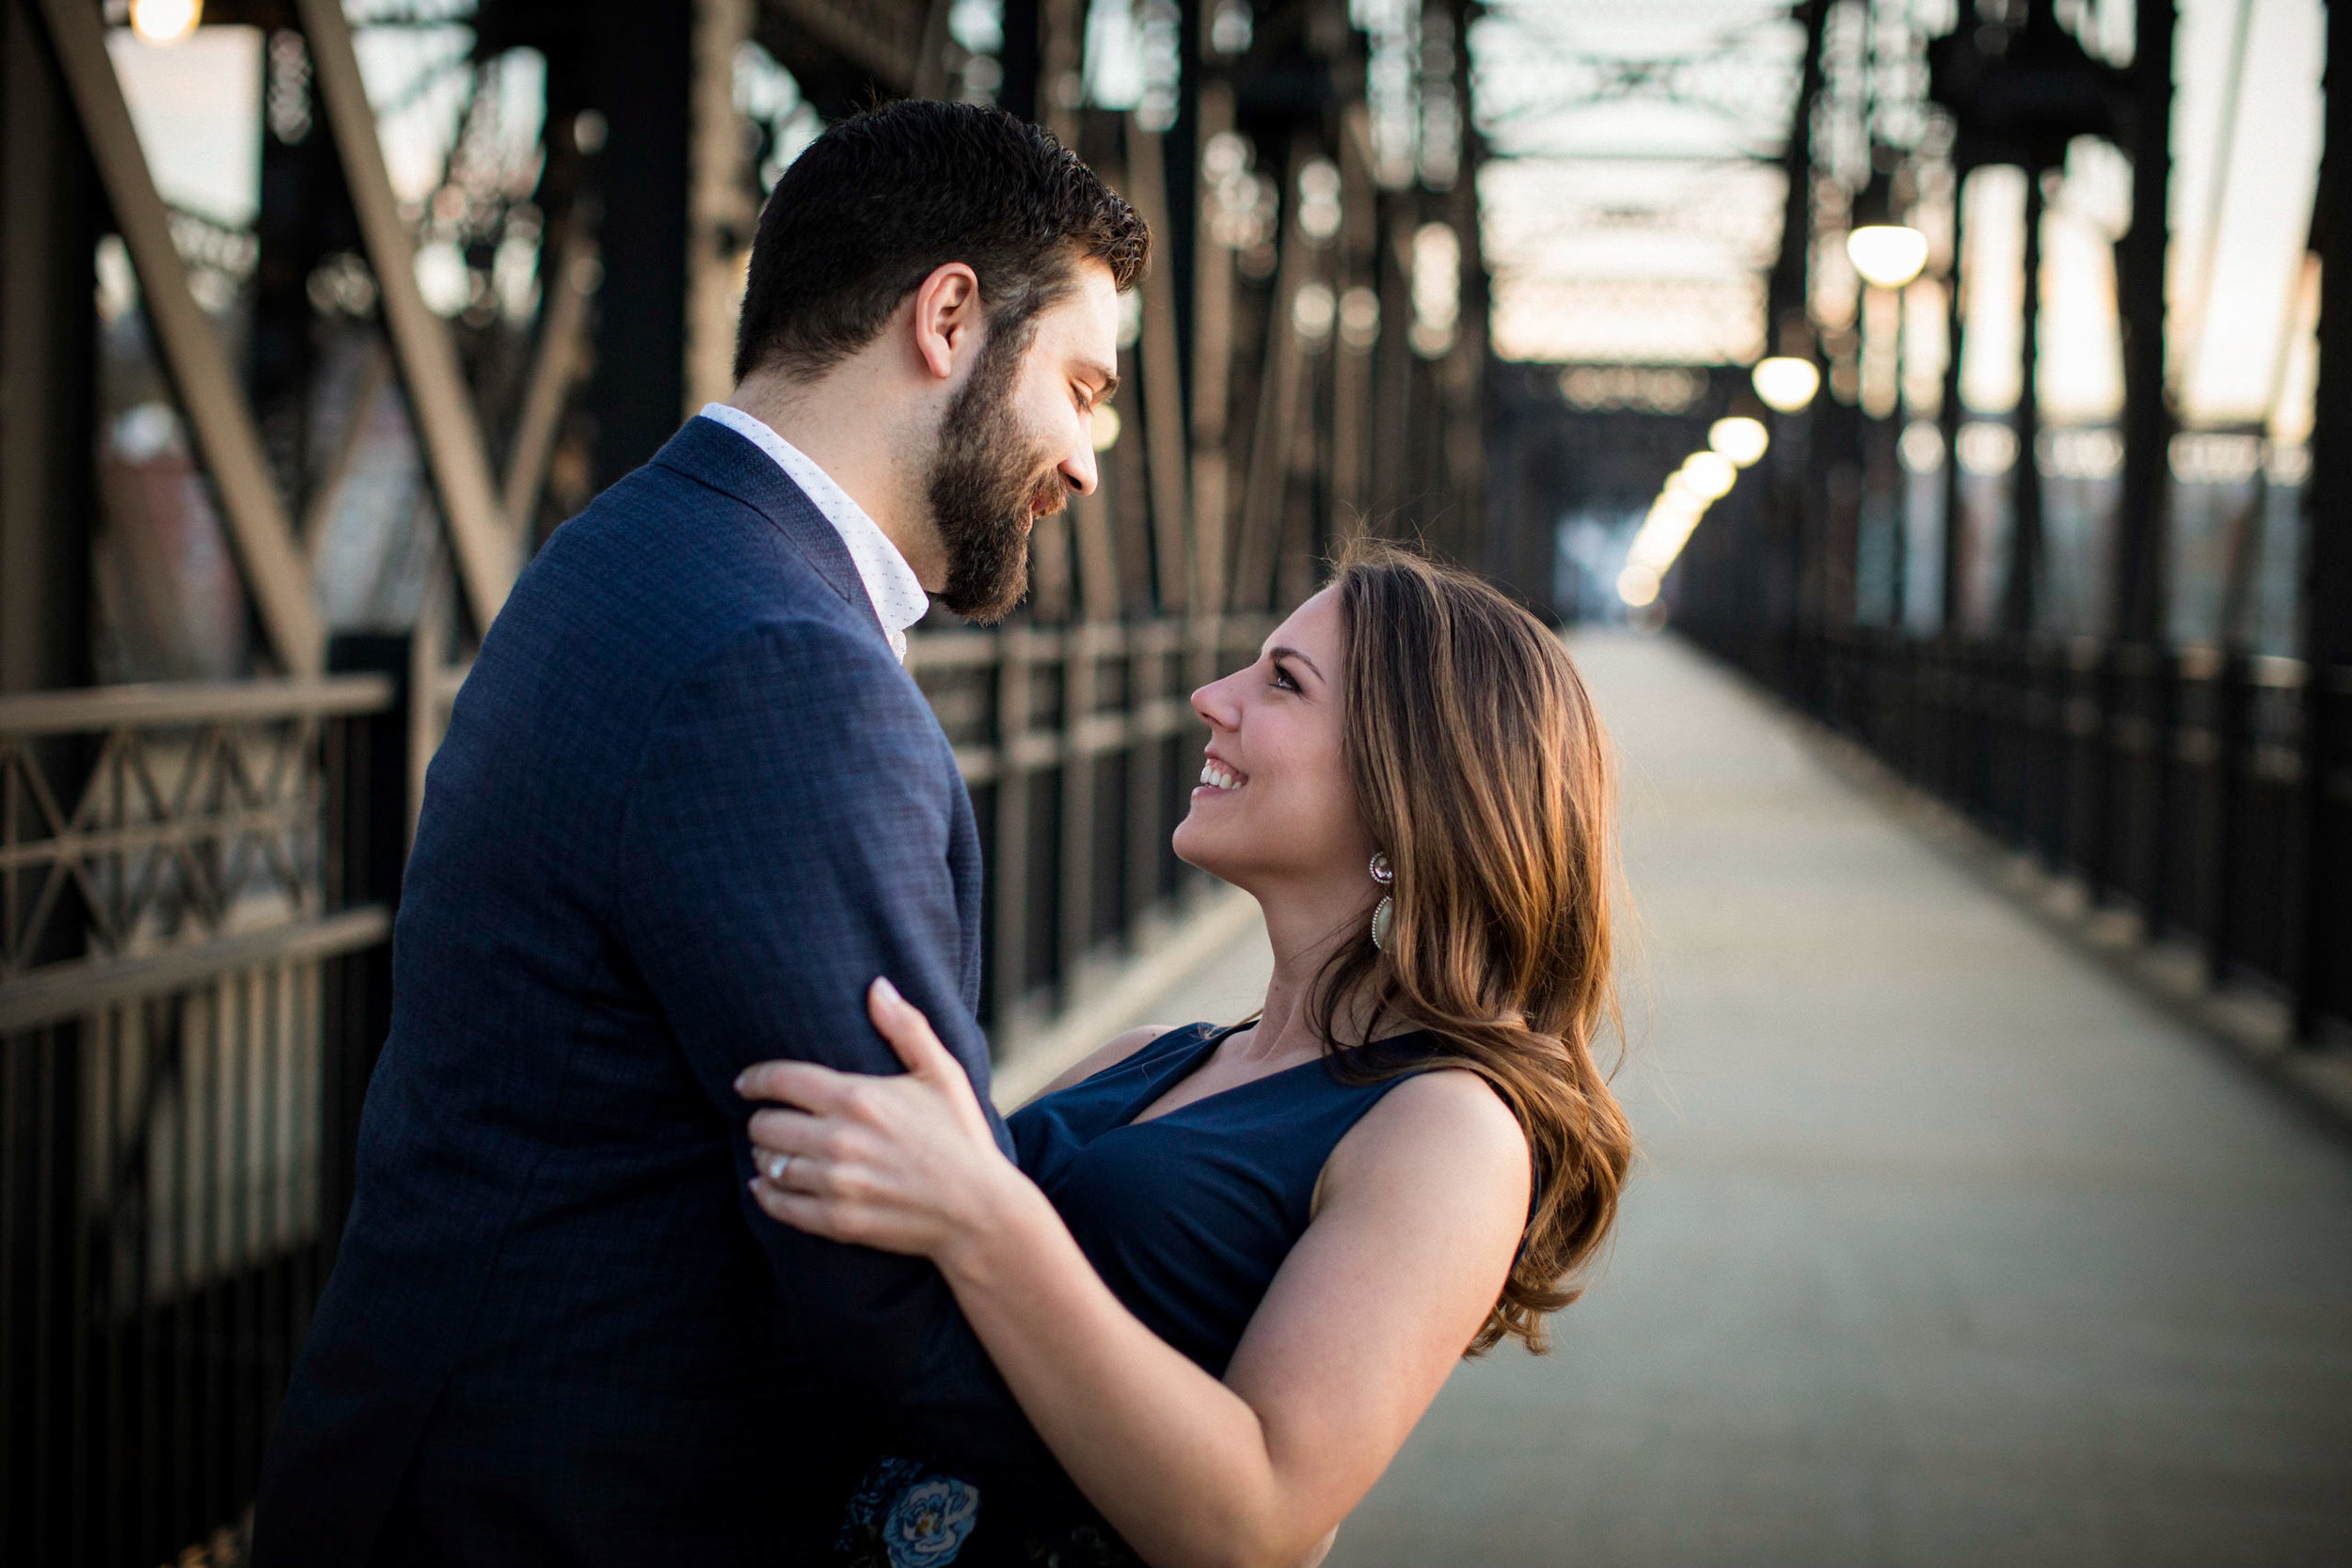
{"x":987,"y":483}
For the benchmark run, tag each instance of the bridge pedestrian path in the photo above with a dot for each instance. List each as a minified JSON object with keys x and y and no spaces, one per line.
{"x":1947,"y":1247}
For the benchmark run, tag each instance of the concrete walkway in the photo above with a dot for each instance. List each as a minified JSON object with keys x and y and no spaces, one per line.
{"x":1947,"y":1248}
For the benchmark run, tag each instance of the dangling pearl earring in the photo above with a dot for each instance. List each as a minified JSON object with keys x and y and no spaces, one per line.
{"x":1385,"y":876}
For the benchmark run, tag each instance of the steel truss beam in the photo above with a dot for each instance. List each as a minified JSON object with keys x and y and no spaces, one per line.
{"x":447,"y":425}
{"x":210,"y":400}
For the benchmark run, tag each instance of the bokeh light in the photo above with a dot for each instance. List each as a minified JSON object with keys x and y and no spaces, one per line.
{"x":166,"y":21}
{"x":1786,"y":384}
{"x":1887,"y":255}
{"x":1739,"y":439}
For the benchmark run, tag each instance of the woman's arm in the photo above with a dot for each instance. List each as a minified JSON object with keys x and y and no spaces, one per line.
{"x":1422,"y":1212}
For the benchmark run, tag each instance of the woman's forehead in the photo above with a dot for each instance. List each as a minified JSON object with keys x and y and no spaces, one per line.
{"x":1313,"y":628}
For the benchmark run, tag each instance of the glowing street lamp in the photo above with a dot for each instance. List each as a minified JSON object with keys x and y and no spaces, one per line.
{"x":1786,"y":384}
{"x":1709,"y":474}
{"x":1638,"y":586}
{"x":165,"y":20}
{"x":1887,"y":255}
{"x":1739,"y":439}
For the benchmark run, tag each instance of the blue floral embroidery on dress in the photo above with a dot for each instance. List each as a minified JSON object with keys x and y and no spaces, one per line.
{"x":928,"y":1525}
{"x":906,"y":1516}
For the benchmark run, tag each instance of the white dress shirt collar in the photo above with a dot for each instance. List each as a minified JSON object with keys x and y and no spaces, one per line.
{"x":897,"y":594}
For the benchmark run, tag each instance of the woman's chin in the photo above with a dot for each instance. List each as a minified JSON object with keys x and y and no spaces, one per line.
{"x":1197,"y":847}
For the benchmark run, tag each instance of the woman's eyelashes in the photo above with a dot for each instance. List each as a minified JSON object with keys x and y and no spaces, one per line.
{"x":1282,"y":681}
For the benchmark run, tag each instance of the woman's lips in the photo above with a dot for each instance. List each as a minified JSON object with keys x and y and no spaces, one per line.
{"x":1218,"y":777}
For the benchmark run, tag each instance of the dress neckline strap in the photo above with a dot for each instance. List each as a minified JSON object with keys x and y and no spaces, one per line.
{"x":1193,"y":1057}
{"x":1187,"y":1060}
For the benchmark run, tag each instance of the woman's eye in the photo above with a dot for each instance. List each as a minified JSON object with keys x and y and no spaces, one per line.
{"x":1282,"y":681}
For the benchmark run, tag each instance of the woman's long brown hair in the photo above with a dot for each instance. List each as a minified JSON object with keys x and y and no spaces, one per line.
{"x":1482,"y":771}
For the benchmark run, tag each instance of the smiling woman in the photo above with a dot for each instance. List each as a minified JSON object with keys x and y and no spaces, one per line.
{"x":1411,"y":1138}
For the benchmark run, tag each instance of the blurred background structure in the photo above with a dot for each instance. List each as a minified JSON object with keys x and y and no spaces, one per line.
{"x":1964,"y":371}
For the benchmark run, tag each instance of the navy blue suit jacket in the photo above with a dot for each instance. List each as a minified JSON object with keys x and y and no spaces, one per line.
{"x":687,"y":807}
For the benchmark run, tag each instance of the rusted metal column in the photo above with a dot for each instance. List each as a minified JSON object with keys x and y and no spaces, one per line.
{"x":2139,"y":594}
{"x":1460,"y":510}
{"x":1394,"y":364}
{"x":49,"y":209}
{"x":1359,"y":329}
{"x":1082,"y":649}
{"x":2139,"y":286}
{"x":642,"y":76}
{"x":1947,"y":419}
{"x":1009,"y":871}
{"x":1061,"y":87}
{"x":1279,"y":406}
{"x":2323,"y":904}
{"x":2018,"y":593}
{"x":1212,"y":381}
{"x":719,"y":210}
{"x":1788,"y":508}
{"x":1163,"y":373}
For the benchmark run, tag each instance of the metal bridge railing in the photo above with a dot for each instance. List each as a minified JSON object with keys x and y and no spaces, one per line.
{"x":190,"y":992}
{"x":2181,"y":784}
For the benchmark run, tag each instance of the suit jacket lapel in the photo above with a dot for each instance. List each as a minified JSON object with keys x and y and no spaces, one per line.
{"x":709,"y":453}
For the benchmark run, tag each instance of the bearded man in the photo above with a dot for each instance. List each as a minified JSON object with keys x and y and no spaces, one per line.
{"x":690,"y":805}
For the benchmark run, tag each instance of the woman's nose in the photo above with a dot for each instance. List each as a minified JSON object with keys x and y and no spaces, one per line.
{"x":1214,"y":705}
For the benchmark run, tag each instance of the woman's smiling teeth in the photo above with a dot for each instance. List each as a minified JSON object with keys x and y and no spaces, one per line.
{"x":1216,"y":775}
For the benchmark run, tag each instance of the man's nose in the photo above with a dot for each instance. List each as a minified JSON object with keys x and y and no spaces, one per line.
{"x":1078,"y":469}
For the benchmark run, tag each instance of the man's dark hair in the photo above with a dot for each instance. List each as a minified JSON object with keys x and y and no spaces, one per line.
{"x":882,"y":201}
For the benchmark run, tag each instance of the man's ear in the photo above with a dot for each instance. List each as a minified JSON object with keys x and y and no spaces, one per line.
{"x":947,"y":317}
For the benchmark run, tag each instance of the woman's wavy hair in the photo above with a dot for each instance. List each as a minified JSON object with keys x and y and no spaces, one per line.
{"x":1481,"y":769}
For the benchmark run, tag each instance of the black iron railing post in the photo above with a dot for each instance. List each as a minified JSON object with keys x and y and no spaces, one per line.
{"x":366,"y":827}
{"x":2233,"y":733}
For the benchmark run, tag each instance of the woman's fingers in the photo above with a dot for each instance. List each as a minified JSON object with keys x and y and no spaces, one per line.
{"x":893,"y":1160}
{"x":803,"y":1211}
{"x":804,"y":1084}
{"x":824,"y":1088}
{"x":910,"y":1034}
{"x":792,"y":1133}
{"x":827,"y":1213}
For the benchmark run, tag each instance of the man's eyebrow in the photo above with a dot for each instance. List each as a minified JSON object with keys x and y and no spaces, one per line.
{"x":1283,"y":651}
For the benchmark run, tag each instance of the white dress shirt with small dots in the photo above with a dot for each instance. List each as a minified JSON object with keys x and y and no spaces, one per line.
{"x":898,"y":595}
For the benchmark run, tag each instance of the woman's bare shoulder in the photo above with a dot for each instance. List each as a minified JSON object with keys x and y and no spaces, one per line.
{"x":1446,"y":1124}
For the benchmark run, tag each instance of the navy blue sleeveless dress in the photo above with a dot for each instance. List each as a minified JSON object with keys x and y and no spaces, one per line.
{"x":1186,"y":1218}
